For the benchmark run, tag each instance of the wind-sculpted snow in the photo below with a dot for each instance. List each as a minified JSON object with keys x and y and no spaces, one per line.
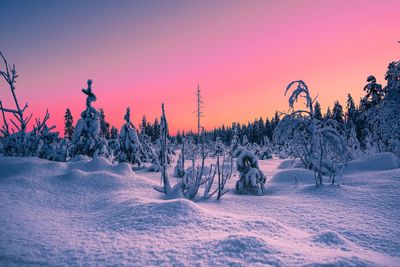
{"x":91,"y":212}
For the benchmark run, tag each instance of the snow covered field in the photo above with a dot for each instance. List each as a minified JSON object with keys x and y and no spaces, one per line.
{"x":90,"y":212}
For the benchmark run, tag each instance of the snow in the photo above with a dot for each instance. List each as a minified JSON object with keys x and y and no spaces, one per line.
{"x":377,"y":162}
{"x":92,"y":212}
{"x":294,"y":176}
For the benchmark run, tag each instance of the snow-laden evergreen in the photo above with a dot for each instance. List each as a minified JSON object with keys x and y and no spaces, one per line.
{"x":251,"y":178}
{"x":131,"y":150}
{"x":87,"y":139}
{"x":69,"y":124}
{"x":218,"y":147}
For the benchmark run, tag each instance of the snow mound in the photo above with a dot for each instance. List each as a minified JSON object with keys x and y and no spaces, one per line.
{"x":95,"y":181}
{"x":96,"y":164}
{"x":377,"y":162}
{"x":163,"y":214}
{"x":284,"y":164}
{"x":294,"y":176}
{"x":329,"y":238}
{"x":238,"y":250}
{"x":123,"y":169}
{"x":289,"y":163}
{"x":80,"y":158}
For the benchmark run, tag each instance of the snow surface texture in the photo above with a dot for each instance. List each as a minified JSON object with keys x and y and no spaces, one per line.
{"x":90,"y":212}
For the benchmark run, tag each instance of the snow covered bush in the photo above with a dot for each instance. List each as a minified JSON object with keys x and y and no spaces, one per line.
{"x":251,"y":179}
{"x":188,"y":186}
{"x":317,"y":143}
{"x":235,"y":144}
{"x":224,"y":173}
{"x":179,"y":169}
{"x":86,"y":139}
{"x":131,"y":148}
{"x":265,"y":153}
{"x":218,"y":147}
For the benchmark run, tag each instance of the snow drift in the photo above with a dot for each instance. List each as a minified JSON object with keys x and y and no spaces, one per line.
{"x":377,"y":162}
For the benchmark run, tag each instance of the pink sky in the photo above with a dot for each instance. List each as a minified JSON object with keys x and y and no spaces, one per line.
{"x":242,"y":53}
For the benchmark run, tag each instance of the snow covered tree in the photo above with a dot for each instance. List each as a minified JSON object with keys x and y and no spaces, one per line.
{"x":104,"y":125}
{"x":155,"y":130}
{"x":87,"y":139}
{"x":251,"y":179}
{"x":338,"y":114}
{"x":218,"y":147}
{"x":353,"y":144}
{"x":318,"y":111}
{"x":131,"y":148}
{"x":265,"y":152}
{"x":245,"y":141}
{"x":68,"y":125}
{"x":235,"y":143}
{"x":351,"y":112}
{"x":317,"y":143}
{"x":114,"y":147}
{"x":383,"y":116}
{"x":328,"y":114}
{"x":374,"y":93}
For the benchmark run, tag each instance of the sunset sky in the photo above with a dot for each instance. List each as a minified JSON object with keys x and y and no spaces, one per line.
{"x":242,"y":53}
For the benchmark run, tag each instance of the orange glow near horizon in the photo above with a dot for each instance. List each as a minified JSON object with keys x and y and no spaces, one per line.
{"x":243,"y":54}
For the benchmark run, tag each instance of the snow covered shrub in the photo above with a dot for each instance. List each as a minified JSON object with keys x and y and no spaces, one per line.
{"x":188,"y":186}
{"x":251,"y":179}
{"x":317,"y":143}
{"x":87,"y":139}
{"x":224,"y":174}
{"x":218,"y":147}
{"x":235,"y":144}
{"x":131,"y":148}
{"x":265,"y":153}
{"x":245,"y":141}
{"x":49,"y":146}
{"x":179,"y":169}
{"x":147,"y":145}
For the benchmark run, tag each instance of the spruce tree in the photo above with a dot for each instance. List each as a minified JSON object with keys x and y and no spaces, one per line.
{"x":338,"y":114}
{"x":328,"y":114}
{"x":68,"y":126}
{"x":351,"y":109}
{"x":104,"y":125}
{"x":317,"y":111}
{"x":156,"y":130}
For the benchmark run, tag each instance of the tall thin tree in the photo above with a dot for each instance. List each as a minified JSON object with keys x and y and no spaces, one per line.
{"x":199,"y":112}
